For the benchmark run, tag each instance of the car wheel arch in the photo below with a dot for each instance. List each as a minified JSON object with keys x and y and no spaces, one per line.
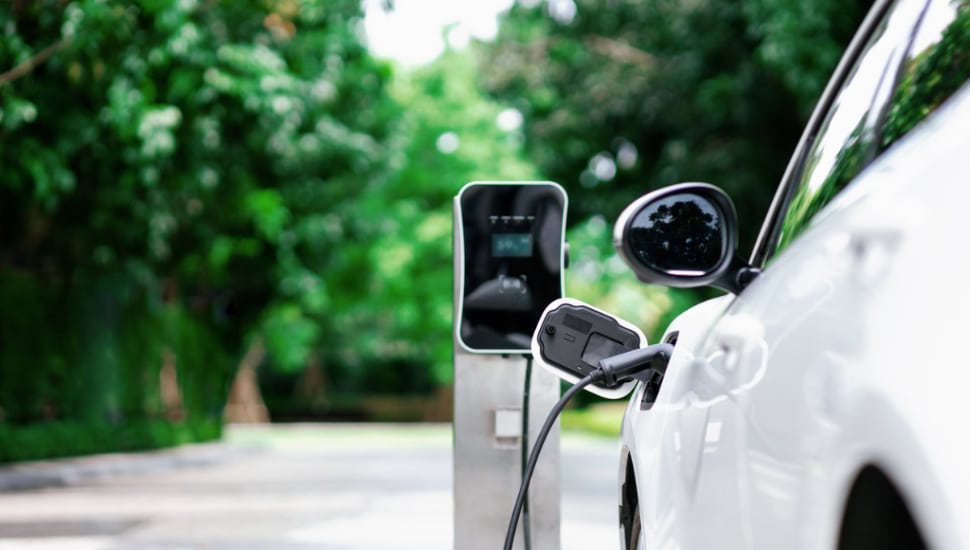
{"x":876,"y":515}
{"x":629,"y":505}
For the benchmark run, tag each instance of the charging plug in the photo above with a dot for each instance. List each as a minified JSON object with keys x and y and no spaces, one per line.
{"x":637,"y":364}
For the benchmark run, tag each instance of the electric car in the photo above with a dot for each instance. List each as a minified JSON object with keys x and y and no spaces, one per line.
{"x":822,"y":402}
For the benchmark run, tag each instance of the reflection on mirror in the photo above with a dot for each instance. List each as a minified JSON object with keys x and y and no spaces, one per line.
{"x":681,"y":235}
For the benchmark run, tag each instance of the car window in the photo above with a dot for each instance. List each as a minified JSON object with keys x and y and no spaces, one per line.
{"x":915,"y":60}
{"x":847,"y":137}
{"x":937,"y":66}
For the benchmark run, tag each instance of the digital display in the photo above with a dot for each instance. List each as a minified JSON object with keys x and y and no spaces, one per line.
{"x":512,"y":245}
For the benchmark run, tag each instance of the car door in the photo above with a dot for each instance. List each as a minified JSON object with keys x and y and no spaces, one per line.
{"x":704,"y":473}
{"x":783,"y":345}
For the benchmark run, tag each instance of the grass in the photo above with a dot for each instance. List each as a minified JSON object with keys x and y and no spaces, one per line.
{"x":602,"y":419}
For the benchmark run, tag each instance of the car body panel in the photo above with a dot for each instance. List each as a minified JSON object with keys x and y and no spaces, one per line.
{"x":848,"y":351}
{"x":660,"y":458}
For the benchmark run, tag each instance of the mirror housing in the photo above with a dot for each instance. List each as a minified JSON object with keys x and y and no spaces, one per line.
{"x":683,"y":236}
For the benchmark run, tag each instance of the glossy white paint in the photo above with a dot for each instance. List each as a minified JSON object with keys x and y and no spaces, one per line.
{"x":849,"y":350}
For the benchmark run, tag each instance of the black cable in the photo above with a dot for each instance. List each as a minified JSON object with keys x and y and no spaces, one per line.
{"x":635,"y":364}
{"x":534,"y":455}
{"x":526,"y":528}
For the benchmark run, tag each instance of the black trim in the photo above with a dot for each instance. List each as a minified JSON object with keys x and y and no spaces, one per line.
{"x":651,"y":386}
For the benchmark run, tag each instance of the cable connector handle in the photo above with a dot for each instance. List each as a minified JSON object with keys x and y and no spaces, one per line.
{"x":638,"y":364}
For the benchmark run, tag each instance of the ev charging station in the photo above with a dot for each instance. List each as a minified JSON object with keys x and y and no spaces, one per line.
{"x":509,"y":255}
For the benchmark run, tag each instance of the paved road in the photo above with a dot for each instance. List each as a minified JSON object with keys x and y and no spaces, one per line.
{"x":295,"y":487}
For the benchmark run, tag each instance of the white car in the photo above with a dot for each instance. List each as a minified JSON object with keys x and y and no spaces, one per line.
{"x":823,"y":402}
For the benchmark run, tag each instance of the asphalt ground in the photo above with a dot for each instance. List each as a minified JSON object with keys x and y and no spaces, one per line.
{"x":288,"y":487}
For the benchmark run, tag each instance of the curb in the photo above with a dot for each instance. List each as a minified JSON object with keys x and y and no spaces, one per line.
{"x":63,"y":472}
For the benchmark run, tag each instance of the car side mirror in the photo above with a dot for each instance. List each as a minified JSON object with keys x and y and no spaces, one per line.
{"x":683,"y":235}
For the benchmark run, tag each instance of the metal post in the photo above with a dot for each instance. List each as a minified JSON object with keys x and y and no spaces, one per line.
{"x":487,"y":452}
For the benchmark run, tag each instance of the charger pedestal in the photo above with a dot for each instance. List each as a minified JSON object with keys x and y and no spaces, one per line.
{"x":488,"y":453}
{"x":509,"y":256}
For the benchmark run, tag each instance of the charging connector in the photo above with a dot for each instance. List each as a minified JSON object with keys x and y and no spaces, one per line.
{"x":638,"y":364}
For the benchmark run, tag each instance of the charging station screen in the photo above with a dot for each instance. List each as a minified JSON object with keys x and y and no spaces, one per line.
{"x":512,"y":237}
{"x":512,"y":245}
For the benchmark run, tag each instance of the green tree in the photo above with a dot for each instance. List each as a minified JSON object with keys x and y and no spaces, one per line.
{"x":203,"y":157}
{"x":451,"y":136}
{"x":623,"y":97}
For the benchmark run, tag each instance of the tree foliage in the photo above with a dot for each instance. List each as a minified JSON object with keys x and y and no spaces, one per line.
{"x":183,"y":177}
{"x":449,"y":136}
{"x":226,"y":170}
{"x":201,"y":155}
{"x":628,"y":95}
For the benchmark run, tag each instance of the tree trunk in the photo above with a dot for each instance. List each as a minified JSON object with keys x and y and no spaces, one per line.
{"x":245,"y":404}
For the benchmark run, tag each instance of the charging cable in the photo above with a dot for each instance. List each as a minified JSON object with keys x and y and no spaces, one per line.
{"x":637,"y":364}
{"x":524,"y":445}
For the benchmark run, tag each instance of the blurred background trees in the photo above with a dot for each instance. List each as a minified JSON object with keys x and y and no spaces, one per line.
{"x":179,"y":180}
{"x":185,"y":184}
{"x":624,"y":96}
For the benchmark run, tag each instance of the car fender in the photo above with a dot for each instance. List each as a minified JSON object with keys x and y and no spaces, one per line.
{"x":641,"y":455}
